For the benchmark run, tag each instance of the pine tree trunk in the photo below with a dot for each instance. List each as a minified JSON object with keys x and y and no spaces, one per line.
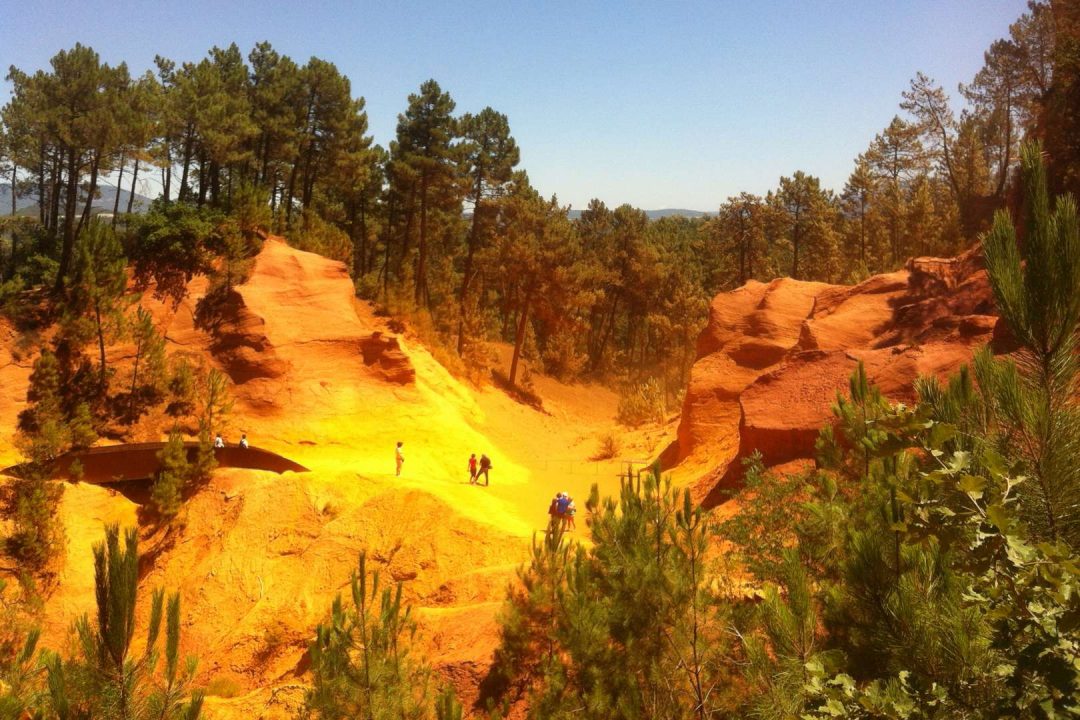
{"x":183,"y":192}
{"x":85,"y":218}
{"x":166,"y":172}
{"x":519,"y":337}
{"x":466,"y":278}
{"x":203,"y":168}
{"x":290,"y":193}
{"x":119,"y":186}
{"x":70,"y":205}
{"x":41,"y":190}
{"x":56,"y":182}
{"x":134,"y":178}
{"x":101,"y":346}
{"x":215,"y":184}
{"x":421,"y":262}
{"x":135,"y":378}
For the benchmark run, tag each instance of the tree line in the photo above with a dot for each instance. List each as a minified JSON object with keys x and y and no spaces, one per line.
{"x":443,"y":227}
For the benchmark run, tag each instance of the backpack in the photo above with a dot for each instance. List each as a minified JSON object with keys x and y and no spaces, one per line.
{"x":553,"y":507}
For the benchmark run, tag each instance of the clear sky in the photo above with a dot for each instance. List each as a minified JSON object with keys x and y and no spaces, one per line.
{"x":658,"y":104}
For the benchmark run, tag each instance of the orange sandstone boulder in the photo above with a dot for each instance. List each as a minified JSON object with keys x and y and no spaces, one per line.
{"x":773,"y":357}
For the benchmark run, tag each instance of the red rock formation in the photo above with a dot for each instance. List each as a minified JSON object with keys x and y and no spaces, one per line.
{"x":772,"y":358}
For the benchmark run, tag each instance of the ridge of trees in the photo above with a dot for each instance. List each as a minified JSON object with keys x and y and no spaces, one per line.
{"x":434,"y":226}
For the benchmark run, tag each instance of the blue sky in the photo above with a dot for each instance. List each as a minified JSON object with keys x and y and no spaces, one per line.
{"x":658,"y":104}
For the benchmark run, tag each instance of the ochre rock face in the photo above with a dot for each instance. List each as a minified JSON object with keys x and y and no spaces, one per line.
{"x":15,"y":368}
{"x":773,"y":356}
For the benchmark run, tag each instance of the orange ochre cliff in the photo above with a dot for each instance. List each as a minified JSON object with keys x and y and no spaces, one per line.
{"x":320,"y":379}
{"x":773,"y":356}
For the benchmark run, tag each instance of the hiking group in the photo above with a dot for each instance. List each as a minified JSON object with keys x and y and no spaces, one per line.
{"x":562,"y":511}
{"x":219,"y":442}
{"x":478,"y":468}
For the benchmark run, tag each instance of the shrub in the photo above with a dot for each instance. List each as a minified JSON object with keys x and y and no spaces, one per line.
{"x":607,"y":448}
{"x":319,"y":236}
{"x":641,"y":404}
{"x":172,"y":476}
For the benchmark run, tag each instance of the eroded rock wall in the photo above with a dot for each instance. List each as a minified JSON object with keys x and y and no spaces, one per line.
{"x":773,"y":356}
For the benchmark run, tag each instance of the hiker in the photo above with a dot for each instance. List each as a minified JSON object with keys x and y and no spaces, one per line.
{"x":472,"y":469}
{"x":563,"y":504}
{"x":571,"y":511}
{"x":243,"y":442}
{"x":399,"y":457}
{"x":218,"y":442}
{"x":485,"y":465}
{"x":554,"y":519}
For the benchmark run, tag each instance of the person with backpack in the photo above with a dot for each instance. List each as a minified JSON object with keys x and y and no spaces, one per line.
{"x":564,"y":503}
{"x":485,"y":466}
{"x":472,"y":469}
{"x":571,"y":511}
{"x":554,"y":519}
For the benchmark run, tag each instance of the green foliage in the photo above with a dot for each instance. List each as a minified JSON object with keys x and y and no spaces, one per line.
{"x":361,"y":661}
{"x":170,"y":247}
{"x":628,"y":627}
{"x":149,"y":372}
{"x":237,"y":250}
{"x":108,"y":679}
{"x":771,"y":508}
{"x":643,"y":403}
{"x":529,"y":644}
{"x":173,"y":473}
{"x":447,"y":707}
{"x":36,"y":534}
{"x":94,"y":309}
{"x":20,"y":686}
{"x":215,"y":403}
{"x":316,"y":235}
{"x":1033,"y":394}
{"x":181,"y":387}
{"x":48,"y":429}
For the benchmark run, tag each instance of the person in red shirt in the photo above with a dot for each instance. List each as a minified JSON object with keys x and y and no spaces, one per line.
{"x":472,"y":469}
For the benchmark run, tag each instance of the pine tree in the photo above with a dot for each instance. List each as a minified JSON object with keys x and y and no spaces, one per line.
{"x":109,"y":680}
{"x":1033,"y":395}
{"x":489,"y":155}
{"x":447,"y":706}
{"x":96,"y":291}
{"x":425,"y":159}
{"x":361,"y":661}
{"x":37,"y":534}
{"x":628,"y":627}
{"x":172,"y":476}
{"x":149,"y":365}
{"x":530,"y":648}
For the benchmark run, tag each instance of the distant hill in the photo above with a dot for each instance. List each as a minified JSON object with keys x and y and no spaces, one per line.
{"x":657,"y":214}
{"x":104,"y":203}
